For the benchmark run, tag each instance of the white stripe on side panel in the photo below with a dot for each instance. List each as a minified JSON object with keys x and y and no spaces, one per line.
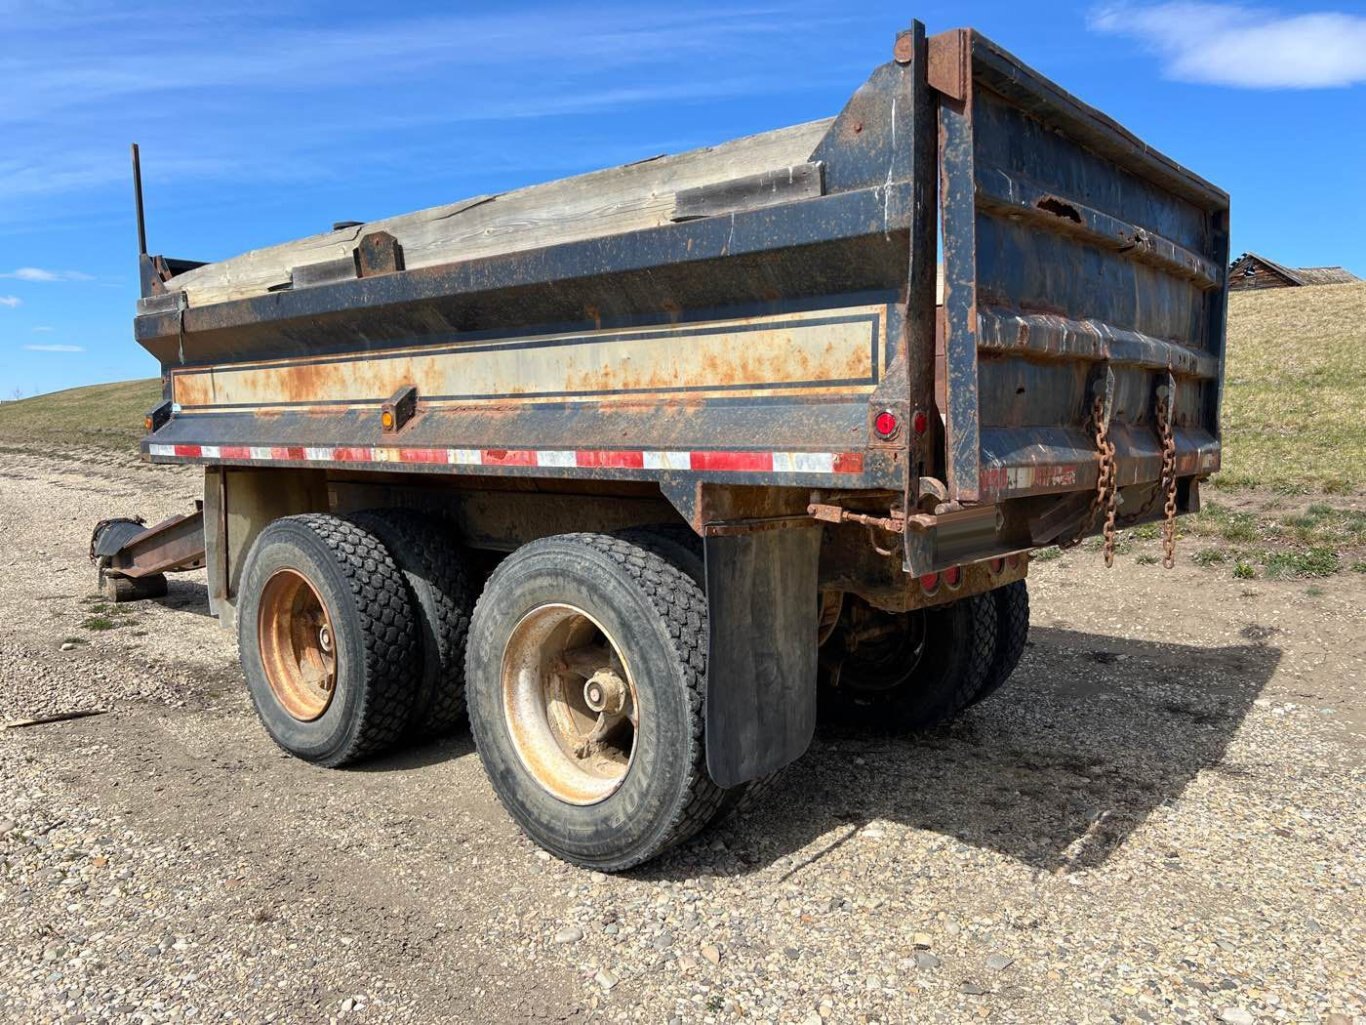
{"x":318,"y":455}
{"x":668,"y":460}
{"x":554,"y":458}
{"x":464,"y":456}
{"x":803,"y":462}
{"x":161,"y":450}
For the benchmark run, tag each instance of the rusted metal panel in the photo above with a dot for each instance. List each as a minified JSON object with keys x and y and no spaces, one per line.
{"x":1074,"y":253}
{"x":836,"y":351}
{"x":957,"y":198}
{"x":758,"y":346}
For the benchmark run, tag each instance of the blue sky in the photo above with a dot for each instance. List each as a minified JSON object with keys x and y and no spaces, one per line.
{"x":264,"y":121}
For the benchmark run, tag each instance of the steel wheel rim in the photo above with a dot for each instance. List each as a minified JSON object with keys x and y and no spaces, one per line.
{"x":570,"y":704}
{"x":297,"y":645}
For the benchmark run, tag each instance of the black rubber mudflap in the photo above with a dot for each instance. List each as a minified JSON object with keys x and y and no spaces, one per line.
{"x":761,"y":651}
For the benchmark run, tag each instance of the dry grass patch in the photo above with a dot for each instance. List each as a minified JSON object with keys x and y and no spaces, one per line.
{"x":108,"y":416}
{"x":1294,"y":413}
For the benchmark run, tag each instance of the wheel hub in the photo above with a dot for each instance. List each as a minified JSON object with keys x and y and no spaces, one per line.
{"x":296,"y":644}
{"x":569,"y":703}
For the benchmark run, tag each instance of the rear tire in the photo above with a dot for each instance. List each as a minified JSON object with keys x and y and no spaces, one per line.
{"x":611,"y":594}
{"x":678,"y":544}
{"x":921,"y":669}
{"x":327,"y":639}
{"x":440,"y":594}
{"x":1012,"y":633}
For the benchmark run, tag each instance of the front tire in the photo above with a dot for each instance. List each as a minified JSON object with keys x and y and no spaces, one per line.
{"x":605,"y":783}
{"x":327,"y":639}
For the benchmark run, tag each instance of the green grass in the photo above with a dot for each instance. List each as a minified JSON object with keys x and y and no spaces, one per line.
{"x":1294,"y":410}
{"x":1316,"y":562}
{"x":106,"y":416}
{"x":98,"y":623}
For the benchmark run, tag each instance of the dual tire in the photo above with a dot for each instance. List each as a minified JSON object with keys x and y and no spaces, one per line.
{"x":583,"y":666}
{"x":351,"y":633}
{"x":916,"y":670}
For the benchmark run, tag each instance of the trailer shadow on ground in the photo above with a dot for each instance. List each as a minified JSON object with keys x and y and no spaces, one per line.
{"x":1056,"y":770}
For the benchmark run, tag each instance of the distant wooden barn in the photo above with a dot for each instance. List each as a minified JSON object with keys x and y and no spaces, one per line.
{"x":1253,"y":271}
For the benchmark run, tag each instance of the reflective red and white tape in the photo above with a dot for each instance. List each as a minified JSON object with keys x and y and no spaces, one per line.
{"x":627,"y":459}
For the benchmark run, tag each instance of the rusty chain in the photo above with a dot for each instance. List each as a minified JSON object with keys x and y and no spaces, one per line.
{"x":1107,"y":492}
{"x":1106,"y":497}
{"x":1168,"y":436}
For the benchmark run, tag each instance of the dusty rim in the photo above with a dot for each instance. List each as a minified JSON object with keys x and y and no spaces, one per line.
{"x":570,"y":704}
{"x":297,"y":644}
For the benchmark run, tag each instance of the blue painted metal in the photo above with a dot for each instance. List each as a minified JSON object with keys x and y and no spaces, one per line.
{"x":1073,"y":254}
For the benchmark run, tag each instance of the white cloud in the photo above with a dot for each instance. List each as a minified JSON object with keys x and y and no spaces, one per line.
{"x":43,"y":329}
{"x":41,"y":274}
{"x":55,"y":348}
{"x":11,"y":301}
{"x":1245,"y":47}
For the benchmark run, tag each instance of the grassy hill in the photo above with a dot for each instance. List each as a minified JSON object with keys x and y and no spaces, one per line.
{"x":1294,"y":409}
{"x":1295,"y":390}
{"x":106,"y":416}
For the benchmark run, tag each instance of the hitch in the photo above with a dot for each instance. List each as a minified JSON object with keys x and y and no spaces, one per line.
{"x":133,"y":559}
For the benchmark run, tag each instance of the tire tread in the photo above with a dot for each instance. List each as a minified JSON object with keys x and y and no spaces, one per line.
{"x":386,"y":627}
{"x":421,"y":549}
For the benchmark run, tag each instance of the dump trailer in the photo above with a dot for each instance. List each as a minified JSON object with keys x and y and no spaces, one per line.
{"x":640,"y":470}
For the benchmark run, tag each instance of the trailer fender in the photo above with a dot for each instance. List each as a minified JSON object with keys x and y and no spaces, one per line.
{"x":761,"y":650}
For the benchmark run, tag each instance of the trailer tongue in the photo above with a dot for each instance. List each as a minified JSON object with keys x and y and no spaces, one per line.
{"x":696,"y":436}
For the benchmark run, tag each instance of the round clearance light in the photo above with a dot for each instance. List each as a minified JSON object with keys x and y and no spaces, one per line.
{"x":929,"y":583}
{"x":998,"y":566}
{"x":386,"y":419}
{"x":886,"y":424}
{"x":953,"y":576}
{"x":920,"y":423}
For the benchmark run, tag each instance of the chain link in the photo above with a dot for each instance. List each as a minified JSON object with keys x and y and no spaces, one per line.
{"x":1104,"y":497}
{"x":1107,"y":479}
{"x":1168,"y":436}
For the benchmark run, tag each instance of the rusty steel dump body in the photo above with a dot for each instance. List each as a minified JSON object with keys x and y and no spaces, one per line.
{"x":745,"y":339}
{"x":746,"y":349}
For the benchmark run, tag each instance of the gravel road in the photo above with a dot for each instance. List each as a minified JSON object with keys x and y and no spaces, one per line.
{"x":1161,"y":819}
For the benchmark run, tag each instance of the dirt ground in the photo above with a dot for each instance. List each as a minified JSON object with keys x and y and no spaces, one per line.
{"x":1162,"y":818}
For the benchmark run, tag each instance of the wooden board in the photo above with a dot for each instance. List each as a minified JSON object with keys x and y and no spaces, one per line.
{"x":609,"y":202}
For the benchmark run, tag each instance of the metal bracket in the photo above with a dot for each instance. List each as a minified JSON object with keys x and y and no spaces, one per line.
{"x":158,"y":416}
{"x":378,"y":253}
{"x":1104,"y":385}
{"x":401,"y":407}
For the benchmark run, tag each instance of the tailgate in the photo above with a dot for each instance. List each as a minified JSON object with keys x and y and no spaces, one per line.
{"x":1078,"y":263}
